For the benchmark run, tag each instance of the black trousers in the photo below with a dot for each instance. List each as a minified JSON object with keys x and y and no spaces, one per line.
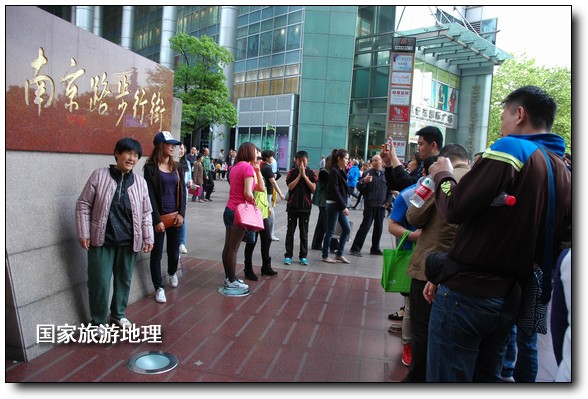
{"x":371,"y":214}
{"x":209,"y":185}
{"x":266,"y":241}
{"x":293,"y":218}
{"x":420,"y":310}
{"x":320,"y":229}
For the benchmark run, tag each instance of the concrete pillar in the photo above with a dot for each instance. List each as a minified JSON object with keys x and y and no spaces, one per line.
{"x":98,"y":20}
{"x":85,"y":17}
{"x":168,"y":30}
{"x":474,"y":112}
{"x":128,"y":27}
{"x":228,"y":40}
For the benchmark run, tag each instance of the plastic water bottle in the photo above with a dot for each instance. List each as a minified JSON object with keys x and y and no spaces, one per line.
{"x":504,"y":199}
{"x":423,"y":192}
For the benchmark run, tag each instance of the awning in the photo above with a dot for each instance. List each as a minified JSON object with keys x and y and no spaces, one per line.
{"x":457,"y":45}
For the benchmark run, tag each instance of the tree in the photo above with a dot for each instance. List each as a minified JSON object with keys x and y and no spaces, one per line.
{"x":199,"y":82}
{"x":521,"y":71}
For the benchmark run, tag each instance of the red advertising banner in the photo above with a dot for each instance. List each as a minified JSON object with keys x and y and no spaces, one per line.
{"x":399,"y":113}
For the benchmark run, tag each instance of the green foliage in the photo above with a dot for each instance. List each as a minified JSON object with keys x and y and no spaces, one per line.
{"x":521,"y":71}
{"x":199,"y":82}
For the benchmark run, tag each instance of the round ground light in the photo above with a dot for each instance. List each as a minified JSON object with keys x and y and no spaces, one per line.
{"x":233,"y":292}
{"x":153,"y":362}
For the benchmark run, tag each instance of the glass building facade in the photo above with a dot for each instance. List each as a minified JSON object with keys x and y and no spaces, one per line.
{"x":331,"y":62}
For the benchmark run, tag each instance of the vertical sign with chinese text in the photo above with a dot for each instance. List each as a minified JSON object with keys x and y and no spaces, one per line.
{"x":400,"y":93}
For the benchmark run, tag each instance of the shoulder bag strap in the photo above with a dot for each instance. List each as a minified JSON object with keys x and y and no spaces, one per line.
{"x":548,"y":249}
{"x":178,"y":192}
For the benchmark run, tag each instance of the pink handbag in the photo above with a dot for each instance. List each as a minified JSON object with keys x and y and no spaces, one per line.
{"x":248,"y":217}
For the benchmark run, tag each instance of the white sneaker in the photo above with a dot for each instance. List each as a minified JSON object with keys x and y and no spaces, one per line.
{"x":183,"y":249}
{"x":122,"y":322}
{"x":274,"y":238}
{"x":160,"y":295}
{"x":236,"y":284}
{"x":173,"y":280}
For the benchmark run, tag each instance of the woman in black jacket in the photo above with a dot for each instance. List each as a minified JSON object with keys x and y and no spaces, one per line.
{"x":167,"y":192}
{"x":336,"y":204}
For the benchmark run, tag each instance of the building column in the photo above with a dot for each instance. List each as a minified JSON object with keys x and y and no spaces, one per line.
{"x":128,"y":27}
{"x":85,"y":17}
{"x":220,"y":134}
{"x":474,"y":112}
{"x":98,"y":20}
{"x":168,"y":30}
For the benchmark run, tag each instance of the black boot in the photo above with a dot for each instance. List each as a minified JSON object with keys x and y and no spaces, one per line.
{"x":249,"y":274}
{"x":266,"y":268}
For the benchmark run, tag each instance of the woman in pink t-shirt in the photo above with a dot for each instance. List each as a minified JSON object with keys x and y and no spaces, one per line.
{"x":241,"y":190}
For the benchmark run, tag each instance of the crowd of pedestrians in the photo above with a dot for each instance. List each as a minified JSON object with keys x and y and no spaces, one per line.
{"x":472,"y":257}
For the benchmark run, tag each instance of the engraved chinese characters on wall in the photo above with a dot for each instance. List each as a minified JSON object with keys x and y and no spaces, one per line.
{"x":80,"y":93}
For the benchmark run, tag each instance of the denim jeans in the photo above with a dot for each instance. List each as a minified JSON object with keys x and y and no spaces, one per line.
{"x":467,"y":337}
{"x":335,"y":215}
{"x":522,"y":348}
{"x":272,"y":217}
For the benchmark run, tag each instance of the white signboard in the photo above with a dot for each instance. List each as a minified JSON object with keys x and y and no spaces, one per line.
{"x":401,"y":78}
{"x":401,"y":62}
{"x":399,"y":96}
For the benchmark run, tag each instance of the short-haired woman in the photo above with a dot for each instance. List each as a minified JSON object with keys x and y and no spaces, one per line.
{"x":113,"y":201}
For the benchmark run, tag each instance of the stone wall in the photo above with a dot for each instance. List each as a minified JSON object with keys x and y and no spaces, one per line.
{"x":51,"y":152}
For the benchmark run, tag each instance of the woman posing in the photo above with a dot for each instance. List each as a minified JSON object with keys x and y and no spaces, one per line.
{"x":168,"y":195}
{"x":243,"y":175}
{"x":263,"y":203}
{"x":336,"y":204}
{"x":113,"y":202}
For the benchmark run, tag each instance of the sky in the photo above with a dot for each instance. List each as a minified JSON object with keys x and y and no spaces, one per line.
{"x":542,"y":32}
{"x":546,"y":39}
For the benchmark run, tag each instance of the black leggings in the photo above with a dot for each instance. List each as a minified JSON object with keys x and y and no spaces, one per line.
{"x":266,"y":242}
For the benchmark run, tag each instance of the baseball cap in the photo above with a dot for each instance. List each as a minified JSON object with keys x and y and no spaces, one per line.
{"x":165,"y":137}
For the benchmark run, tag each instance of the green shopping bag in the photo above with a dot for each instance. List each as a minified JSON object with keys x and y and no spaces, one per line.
{"x":394,"y":277}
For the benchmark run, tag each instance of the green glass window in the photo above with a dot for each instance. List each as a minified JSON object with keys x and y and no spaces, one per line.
{"x":293,"y":38}
{"x":295,"y":17}
{"x":265,"y":43}
{"x":268,"y":24}
{"x":453,"y":80}
{"x":241,"y":49}
{"x":253,"y":46}
{"x":280,"y":21}
{"x":379,"y":82}
{"x":361,"y":79}
{"x":253,"y":28}
{"x":442,"y":75}
{"x":279,"y":43}
{"x":362,"y":60}
{"x":383,"y":58}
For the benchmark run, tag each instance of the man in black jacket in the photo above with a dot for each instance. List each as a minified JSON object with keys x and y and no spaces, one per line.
{"x":429,"y":143}
{"x":301,"y":184}
{"x":377,"y":197}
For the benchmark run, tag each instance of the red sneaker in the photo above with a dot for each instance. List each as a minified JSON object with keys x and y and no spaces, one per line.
{"x":407,"y":354}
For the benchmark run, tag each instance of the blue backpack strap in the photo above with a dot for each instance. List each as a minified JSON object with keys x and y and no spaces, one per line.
{"x":548,"y":249}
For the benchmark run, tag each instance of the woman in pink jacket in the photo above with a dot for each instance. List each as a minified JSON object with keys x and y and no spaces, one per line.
{"x":113,"y":222}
